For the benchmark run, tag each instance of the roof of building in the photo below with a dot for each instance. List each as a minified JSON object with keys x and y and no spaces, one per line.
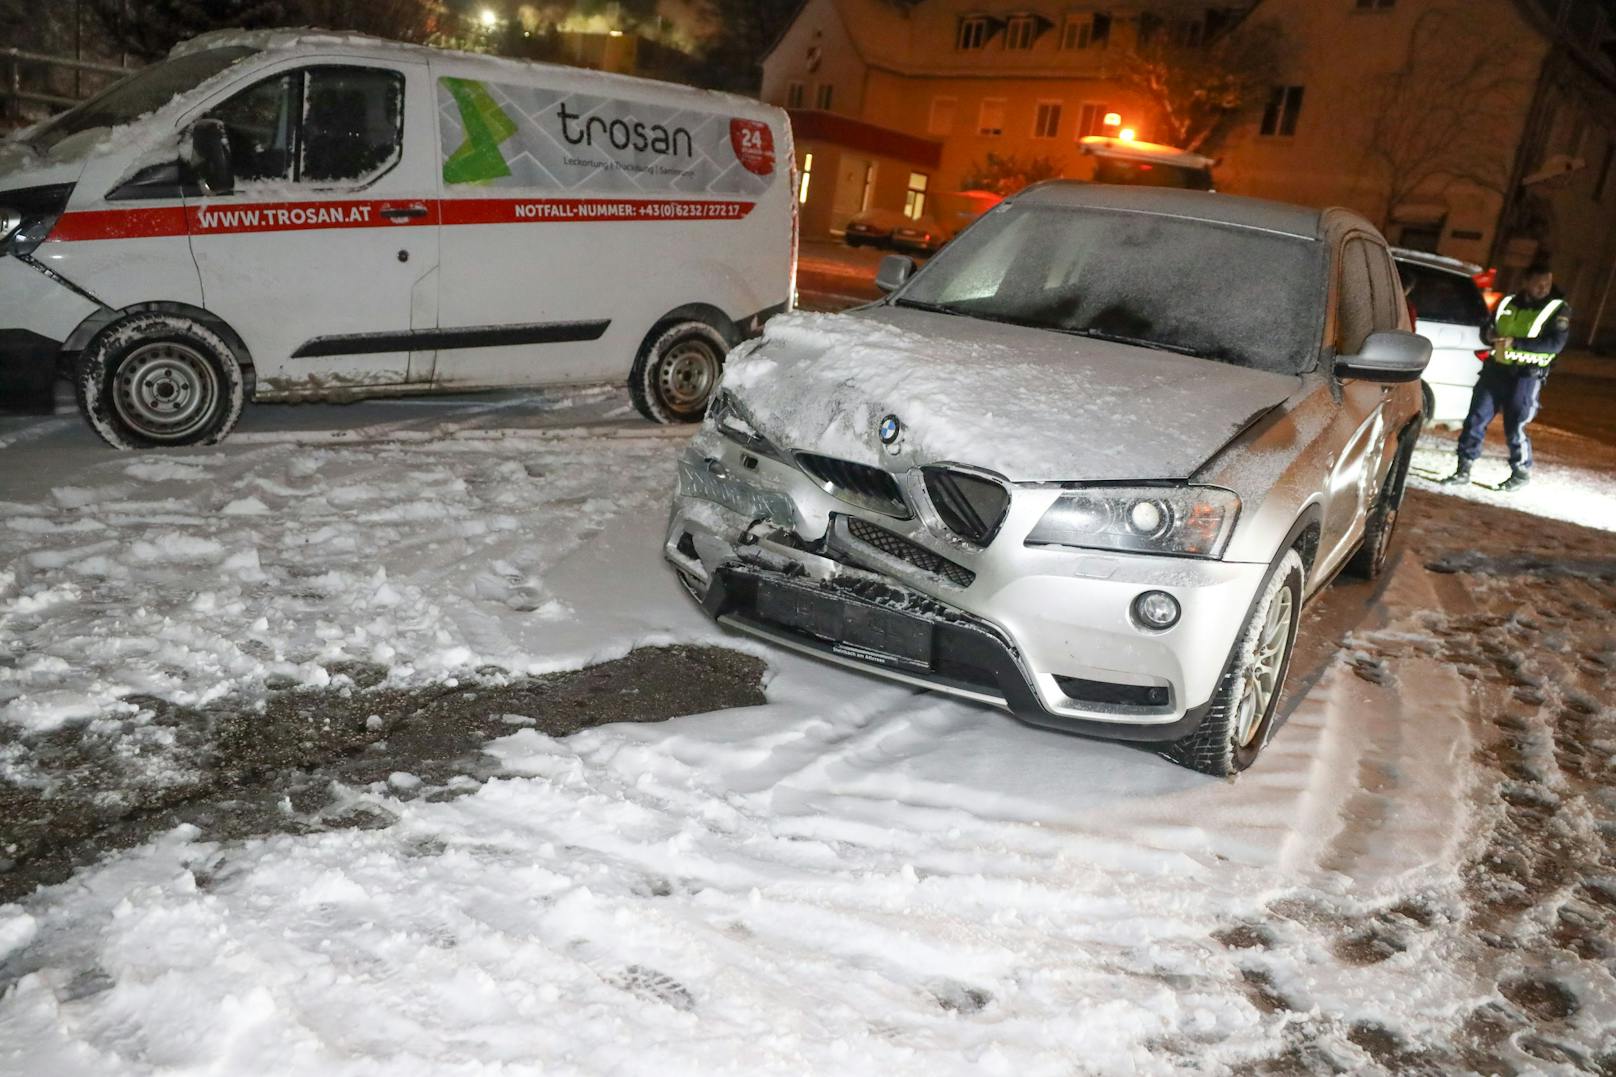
{"x":1281,"y":217}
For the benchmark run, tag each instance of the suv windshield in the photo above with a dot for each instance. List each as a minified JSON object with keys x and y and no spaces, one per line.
{"x":146,"y":91}
{"x":1237,"y":295}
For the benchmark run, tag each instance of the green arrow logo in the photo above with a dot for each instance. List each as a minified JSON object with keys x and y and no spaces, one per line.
{"x":478,"y":159}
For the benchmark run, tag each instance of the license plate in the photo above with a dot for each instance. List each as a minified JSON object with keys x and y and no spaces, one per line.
{"x":867,"y":633}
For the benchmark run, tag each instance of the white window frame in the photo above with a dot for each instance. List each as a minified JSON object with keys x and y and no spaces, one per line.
{"x":982,"y":127}
{"x":971,"y":34}
{"x":1038,"y":111}
{"x":1095,"y":110}
{"x":914,"y":201}
{"x":1020,"y":32}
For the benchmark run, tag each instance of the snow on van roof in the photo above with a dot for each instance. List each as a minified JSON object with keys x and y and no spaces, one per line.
{"x":492,"y":67}
{"x":1133,"y":150}
{"x":1281,"y":217}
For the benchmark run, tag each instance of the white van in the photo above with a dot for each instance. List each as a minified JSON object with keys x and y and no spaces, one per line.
{"x":296,"y":215}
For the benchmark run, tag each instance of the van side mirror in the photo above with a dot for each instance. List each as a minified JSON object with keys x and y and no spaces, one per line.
{"x":894,"y":272}
{"x":210,"y":156}
{"x":1391,"y":355}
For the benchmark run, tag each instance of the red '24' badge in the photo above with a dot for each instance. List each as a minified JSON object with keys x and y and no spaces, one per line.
{"x":754,"y":145}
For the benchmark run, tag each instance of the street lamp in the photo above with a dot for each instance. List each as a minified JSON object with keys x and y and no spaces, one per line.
{"x":489,"y":19}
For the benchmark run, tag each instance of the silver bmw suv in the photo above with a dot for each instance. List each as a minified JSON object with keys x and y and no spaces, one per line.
{"x":1087,"y":465}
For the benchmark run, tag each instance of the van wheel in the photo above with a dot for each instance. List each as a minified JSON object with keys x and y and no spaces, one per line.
{"x":1427,"y":402}
{"x":159,"y":380}
{"x":677,"y":372}
{"x":1241,"y":718}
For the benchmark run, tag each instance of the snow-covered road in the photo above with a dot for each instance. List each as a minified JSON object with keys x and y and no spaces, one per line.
{"x":850,"y":878}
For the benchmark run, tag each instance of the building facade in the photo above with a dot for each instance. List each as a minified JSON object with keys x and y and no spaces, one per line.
{"x":1480,"y":129}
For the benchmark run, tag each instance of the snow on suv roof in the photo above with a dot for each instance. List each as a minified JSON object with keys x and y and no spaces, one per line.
{"x":1279,"y":217}
{"x":1435,"y":261}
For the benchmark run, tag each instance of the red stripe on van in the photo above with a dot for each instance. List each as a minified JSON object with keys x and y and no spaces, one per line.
{"x":227,"y":218}
{"x":119,"y":224}
{"x":554,"y":210}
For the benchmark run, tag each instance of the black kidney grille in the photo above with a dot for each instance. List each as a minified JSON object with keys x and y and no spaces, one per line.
{"x":902,"y":549}
{"x":971,"y":506}
{"x":860,"y":483}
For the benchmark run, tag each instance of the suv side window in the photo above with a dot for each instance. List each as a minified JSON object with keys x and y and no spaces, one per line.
{"x":326,"y":126}
{"x":1355,"y":306}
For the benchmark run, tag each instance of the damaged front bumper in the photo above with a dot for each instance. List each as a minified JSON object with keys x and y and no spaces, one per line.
{"x":1045,"y":634}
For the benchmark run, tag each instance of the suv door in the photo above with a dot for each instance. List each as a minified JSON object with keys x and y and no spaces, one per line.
{"x":324,"y":257}
{"x":1366,"y":295}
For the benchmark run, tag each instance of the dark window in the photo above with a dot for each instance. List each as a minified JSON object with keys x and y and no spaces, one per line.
{"x":1021,"y":31}
{"x":1046,"y":122}
{"x":1284,"y":108}
{"x":972,"y":33}
{"x":353,"y":123}
{"x":259,"y":124}
{"x":794,"y":94}
{"x":1375,"y":5}
{"x":827,"y":94}
{"x":1091,"y":120}
{"x":351,"y":129}
{"x":1441,"y":296}
{"x":1355,"y":306}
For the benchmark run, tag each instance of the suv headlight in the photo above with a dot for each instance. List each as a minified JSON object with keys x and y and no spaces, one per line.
{"x":731,"y":420}
{"x":1182,"y":521}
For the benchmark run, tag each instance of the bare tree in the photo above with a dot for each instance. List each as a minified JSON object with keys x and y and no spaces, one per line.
{"x":401,"y":20}
{"x":1199,"y":87}
{"x":1006,"y":174}
{"x":1447,"y":115}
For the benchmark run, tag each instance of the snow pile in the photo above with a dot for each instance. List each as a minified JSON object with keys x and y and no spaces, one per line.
{"x":1029,"y":404}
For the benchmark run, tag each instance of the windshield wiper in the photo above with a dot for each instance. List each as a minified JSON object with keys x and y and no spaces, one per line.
{"x":1141,"y":342}
{"x":935,"y":308}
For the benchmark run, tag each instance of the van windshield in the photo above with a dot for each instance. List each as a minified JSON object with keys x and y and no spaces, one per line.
{"x":144,"y":92}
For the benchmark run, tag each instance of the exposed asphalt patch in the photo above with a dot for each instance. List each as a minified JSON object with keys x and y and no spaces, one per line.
{"x":294,"y":763}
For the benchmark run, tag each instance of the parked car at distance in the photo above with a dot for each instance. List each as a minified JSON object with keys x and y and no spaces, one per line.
{"x":1449,"y":311}
{"x":924,"y":236}
{"x":873,"y":227}
{"x":285,"y":215}
{"x":1143,"y":164}
{"x":1087,"y":465}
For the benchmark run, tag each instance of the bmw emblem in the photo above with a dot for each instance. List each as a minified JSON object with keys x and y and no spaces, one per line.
{"x":889,"y":430}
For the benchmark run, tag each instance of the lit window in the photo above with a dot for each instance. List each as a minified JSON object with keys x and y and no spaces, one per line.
{"x":807,"y":175}
{"x":1284,"y":108}
{"x":972,"y":33}
{"x":914,"y":203}
{"x":990,"y":120}
{"x":1046,"y":122}
{"x":942,"y":115}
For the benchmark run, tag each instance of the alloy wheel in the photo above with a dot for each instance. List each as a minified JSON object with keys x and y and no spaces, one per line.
{"x":1260,"y":678}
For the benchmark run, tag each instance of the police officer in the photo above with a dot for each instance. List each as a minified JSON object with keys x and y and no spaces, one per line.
{"x":1530,"y":328}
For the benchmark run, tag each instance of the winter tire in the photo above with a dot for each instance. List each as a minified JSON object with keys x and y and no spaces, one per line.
{"x":1381,"y":528}
{"x":159,"y":380}
{"x":677,"y":372}
{"x":1427,"y":402}
{"x":1241,"y":718}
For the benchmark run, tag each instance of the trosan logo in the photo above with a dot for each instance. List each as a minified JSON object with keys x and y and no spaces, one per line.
{"x":268,"y":217}
{"x":624,"y":134}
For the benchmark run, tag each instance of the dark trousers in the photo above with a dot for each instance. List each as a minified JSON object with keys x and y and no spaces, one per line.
{"x":1512,"y":391}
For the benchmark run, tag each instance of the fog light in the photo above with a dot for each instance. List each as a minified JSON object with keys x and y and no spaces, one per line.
{"x":1156,"y":609}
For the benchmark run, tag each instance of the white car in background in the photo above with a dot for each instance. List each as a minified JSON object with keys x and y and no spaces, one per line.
{"x":1449,"y":311}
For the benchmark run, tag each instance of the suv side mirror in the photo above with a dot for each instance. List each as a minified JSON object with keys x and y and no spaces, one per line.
{"x":894,"y":272}
{"x":1391,"y":355}
{"x":210,"y":156}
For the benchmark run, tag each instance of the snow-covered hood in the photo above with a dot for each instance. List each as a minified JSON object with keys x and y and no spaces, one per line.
{"x":23,"y":166}
{"x":1029,"y":404}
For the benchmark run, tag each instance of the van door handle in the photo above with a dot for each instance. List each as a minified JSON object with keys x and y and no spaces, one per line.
{"x":404,"y":213}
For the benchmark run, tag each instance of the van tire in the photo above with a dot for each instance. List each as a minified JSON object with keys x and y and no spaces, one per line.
{"x":156,"y":380}
{"x":1231,"y":736}
{"x":677,"y":372}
